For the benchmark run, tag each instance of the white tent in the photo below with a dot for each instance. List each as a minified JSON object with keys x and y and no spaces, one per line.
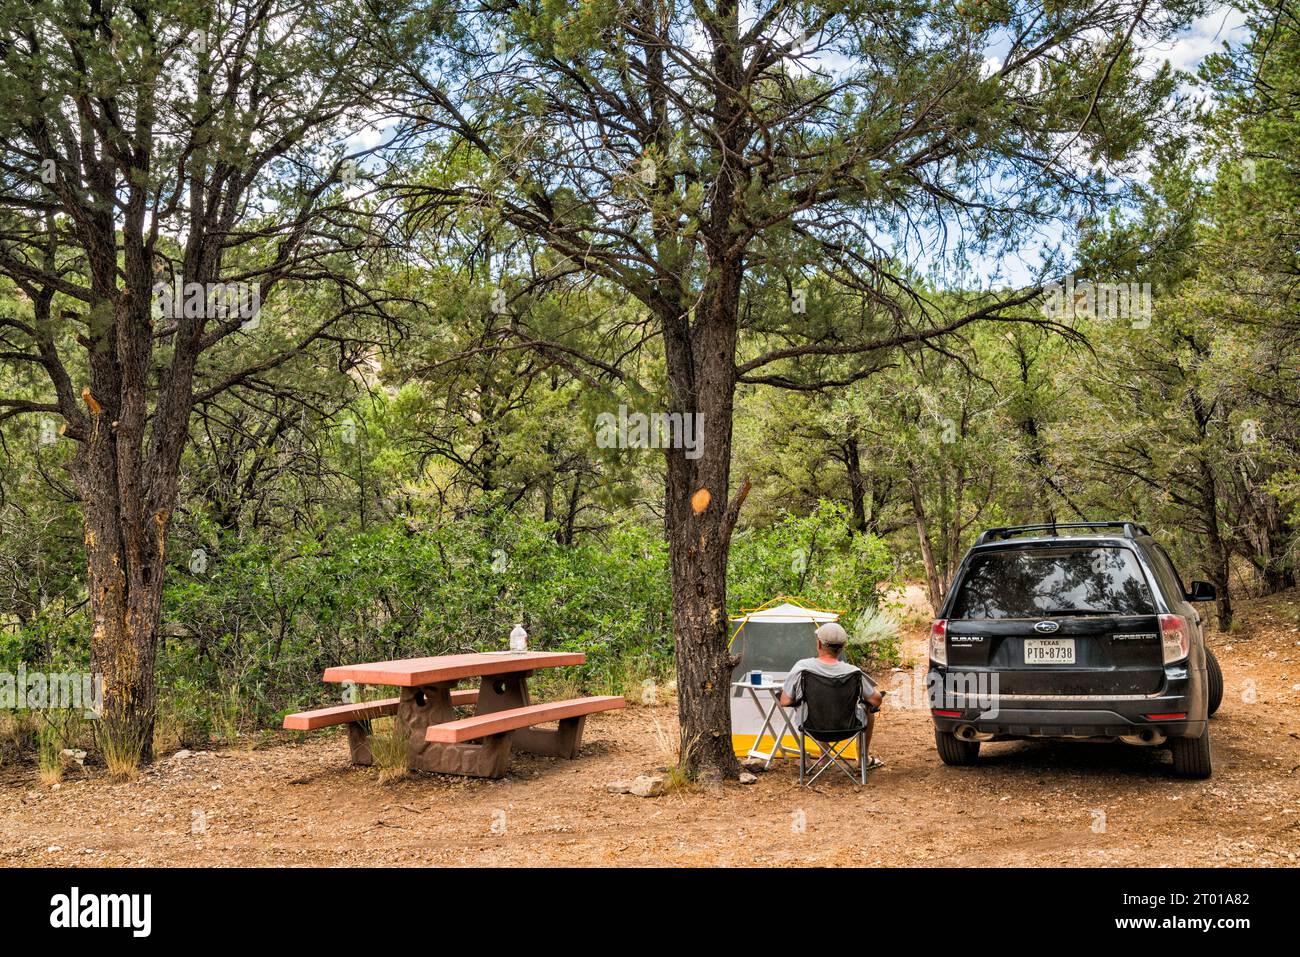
{"x":769,"y":640}
{"x":788,"y":613}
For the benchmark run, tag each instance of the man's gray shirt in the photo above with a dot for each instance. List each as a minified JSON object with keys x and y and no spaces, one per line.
{"x":794,"y":683}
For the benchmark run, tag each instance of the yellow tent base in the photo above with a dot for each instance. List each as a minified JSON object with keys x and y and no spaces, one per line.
{"x":742,"y":744}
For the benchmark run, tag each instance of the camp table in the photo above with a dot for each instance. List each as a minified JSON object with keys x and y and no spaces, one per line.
{"x":436,"y":739}
{"x":770,"y":713}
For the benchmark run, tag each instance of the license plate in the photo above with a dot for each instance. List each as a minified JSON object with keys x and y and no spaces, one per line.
{"x":1049,"y":651}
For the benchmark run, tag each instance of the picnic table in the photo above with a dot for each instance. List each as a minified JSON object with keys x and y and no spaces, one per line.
{"x":477,"y":746}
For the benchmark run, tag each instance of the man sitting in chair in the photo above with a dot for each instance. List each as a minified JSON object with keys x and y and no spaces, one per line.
{"x":828,"y":667}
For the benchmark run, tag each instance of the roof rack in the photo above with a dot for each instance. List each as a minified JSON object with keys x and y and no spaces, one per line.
{"x":1131,"y":529}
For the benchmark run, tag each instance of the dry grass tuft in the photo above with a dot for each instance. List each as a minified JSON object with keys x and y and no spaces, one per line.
{"x":389,"y":744}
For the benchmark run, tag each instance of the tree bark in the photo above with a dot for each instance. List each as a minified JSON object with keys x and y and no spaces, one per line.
{"x":1219,"y":558}
{"x":127,"y":480}
{"x":699,"y":520}
{"x":126,"y":607}
{"x":934,"y":589}
{"x":1218,"y":566}
{"x":569,"y":531}
{"x":1033,"y":439}
{"x":857,"y":483}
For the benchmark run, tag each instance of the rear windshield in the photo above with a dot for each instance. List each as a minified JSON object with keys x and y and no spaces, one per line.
{"x":1039,"y":582}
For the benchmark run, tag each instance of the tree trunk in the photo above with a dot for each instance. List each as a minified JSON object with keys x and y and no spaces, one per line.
{"x":1218,"y":570}
{"x":934,"y":589}
{"x":704,"y":663}
{"x":548,"y":486}
{"x":1218,"y":566}
{"x":952,"y":546}
{"x":124,"y":563}
{"x":699,"y":521}
{"x":699,"y":335}
{"x":127,"y":475}
{"x":1034,"y":441}
{"x":857,"y":483}
{"x":569,"y":531}
{"x":125,"y":616}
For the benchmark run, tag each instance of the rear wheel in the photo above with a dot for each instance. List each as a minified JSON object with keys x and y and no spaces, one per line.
{"x":1191,"y":756}
{"x":953,"y":750}
{"x":1214,"y":674}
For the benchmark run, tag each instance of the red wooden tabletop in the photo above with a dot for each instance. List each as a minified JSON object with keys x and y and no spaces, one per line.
{"x":415,"y":672}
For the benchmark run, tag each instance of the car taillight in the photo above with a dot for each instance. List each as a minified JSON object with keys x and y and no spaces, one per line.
{"x":939,"y":641}
{"x":1176,"y":637}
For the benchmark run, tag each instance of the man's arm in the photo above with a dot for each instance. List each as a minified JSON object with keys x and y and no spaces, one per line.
{"x":790,"y":690}
{"x":870,"y":695}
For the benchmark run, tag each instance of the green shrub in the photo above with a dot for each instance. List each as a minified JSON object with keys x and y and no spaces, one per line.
{"x":819,"y":558}
{"x":873,"y":639}
{"x":246,"y":637}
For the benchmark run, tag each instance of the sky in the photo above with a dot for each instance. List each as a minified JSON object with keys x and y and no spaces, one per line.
{"x":1204,"y":36}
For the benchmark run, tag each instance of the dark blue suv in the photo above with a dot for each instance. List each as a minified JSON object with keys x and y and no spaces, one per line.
{"x":1075,"y":630}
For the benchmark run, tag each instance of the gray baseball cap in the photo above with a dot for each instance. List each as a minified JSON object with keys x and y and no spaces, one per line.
{"x":832,"y":635}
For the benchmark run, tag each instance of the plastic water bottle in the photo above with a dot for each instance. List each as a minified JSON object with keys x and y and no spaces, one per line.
{"x":518,"y":639}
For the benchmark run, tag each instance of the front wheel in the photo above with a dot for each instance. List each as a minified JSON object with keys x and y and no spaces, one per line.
{"x":1191,"y":756}
{"x":953,"y":750}
{"x":1214,"y":678}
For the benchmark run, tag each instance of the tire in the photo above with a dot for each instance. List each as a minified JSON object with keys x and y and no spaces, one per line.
{"x":954,"y":751}
{"x":1214,"y":678}
{"x":1191,"y":756}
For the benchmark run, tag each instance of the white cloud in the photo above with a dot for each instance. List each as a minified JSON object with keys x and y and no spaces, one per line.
{"x":1203,"y":37}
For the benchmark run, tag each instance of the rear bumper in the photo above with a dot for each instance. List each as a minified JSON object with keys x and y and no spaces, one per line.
{"x":1084,"y":716}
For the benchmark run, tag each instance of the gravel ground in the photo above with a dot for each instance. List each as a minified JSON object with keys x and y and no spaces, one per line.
{"x":296,"y":801}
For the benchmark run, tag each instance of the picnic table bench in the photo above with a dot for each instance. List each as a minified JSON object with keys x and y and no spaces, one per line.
{"x":478,"y":746}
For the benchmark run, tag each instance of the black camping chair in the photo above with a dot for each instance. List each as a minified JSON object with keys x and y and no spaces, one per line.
{"x":832,"y":719}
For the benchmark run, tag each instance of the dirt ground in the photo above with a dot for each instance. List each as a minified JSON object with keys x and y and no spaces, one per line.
{"x":297,"y":802}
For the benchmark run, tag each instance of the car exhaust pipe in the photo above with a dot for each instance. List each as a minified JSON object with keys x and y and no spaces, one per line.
{"x":1147,"y":738}
{"x":967,"y":732}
